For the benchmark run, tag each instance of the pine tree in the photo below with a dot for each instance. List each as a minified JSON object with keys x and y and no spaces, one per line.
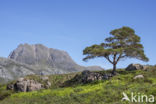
{"x":123,"y":43}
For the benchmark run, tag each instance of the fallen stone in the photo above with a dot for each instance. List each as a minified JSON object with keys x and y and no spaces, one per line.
{"x":139,"y":77}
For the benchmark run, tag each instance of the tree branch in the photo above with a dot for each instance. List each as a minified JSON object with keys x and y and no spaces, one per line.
{"x":107,"y":57}
{"x":118,"y":58}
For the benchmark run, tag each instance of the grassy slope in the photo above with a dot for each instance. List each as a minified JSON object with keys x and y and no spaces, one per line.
{"x":102,"y":92}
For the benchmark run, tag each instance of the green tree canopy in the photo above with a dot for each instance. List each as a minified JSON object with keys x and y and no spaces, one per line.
{"x":123,"y":43}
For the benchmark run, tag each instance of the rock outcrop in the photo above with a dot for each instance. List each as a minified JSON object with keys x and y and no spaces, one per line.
{"x":132,"y":67}
{"x":27,"y":85}
{"x":88,"y":76}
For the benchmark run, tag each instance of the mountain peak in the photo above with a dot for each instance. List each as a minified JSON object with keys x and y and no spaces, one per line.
{"x":40,"y":55}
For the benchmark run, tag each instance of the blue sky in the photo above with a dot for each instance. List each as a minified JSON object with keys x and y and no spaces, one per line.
{"x":71,"y":25}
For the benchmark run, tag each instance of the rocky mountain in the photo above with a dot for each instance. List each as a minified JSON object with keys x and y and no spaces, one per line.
{"x":43,"y":58}
{"x":38,"y":59}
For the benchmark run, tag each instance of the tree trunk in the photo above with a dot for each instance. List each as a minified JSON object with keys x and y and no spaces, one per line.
{"x":114,"y":69}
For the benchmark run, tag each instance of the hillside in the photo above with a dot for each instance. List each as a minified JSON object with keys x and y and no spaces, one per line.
{"x":98,"y":92}
{"x":10,"y":69}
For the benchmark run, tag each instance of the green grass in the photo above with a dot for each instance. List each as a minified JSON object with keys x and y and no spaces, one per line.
{"x":100,"y":92}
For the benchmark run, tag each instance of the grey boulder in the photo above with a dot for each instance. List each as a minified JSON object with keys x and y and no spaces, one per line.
{"x":132,"y":67}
